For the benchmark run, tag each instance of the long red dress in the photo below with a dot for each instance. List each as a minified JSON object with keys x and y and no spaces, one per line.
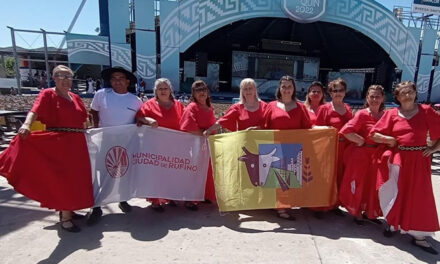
{"x":238,"y":118}
{"x":277,"y":118}
{"x":52,"y":168}
{"x":358,"y":187}
{"x":405,"y":187}
{"x":168,"y":118}
{"x":327,"y":116}
{"x":195,"y":118}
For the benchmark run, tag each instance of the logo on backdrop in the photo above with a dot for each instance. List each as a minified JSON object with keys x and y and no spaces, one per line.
{"x":116,"y":161}
{"x":304,"y":11}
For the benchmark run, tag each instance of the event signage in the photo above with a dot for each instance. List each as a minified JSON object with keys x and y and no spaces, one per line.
{"x":427,"y":6}
{"x":304,"y":11}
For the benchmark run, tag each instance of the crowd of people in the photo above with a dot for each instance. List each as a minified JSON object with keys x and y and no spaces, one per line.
{"x":383,"y":162}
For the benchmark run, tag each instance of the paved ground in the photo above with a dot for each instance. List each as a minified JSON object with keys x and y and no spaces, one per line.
{"x":30,"y":234}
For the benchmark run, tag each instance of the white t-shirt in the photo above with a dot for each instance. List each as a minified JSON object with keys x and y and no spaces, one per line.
{"x":115,"y":109}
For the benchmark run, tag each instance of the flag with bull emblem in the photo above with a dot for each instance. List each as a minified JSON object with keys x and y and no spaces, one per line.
{"x":263,"y":169}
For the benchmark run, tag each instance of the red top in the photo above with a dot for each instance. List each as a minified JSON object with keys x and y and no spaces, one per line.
{"x":56,"y":111}
{"x":169,"y":118}
{"x":410,"y":132}
{"x":361,"y":124}
{"x":195,"y":118}
{"x":326,"y":116}
{"x":277,"y":118}
{"x":238,"y":118}
{"x":312,"y":117}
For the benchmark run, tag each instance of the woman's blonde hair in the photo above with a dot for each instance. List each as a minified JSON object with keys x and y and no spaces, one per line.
{"x":60,"y":68}
{"x":243,"y":83}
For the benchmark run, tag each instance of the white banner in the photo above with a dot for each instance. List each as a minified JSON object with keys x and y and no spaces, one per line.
{"x":129,"y":161}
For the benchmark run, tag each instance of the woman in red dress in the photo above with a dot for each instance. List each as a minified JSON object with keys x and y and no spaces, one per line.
{"x":286,"y":113}
{"x":335,"y":114}
{"x":315,"y":98}
{"x":405,"y":187}
{"x":358,"y":188}
{"x":198,"y":117}
{"x":246,"y":114}
{"x":53,"y":167}
{"x":164,"y":111}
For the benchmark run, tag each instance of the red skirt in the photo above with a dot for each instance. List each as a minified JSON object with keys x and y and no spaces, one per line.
{"x":52,"y":168}
{"x":209,"y":188}
{"x":414,"y":206}
{"x":358,"y":191}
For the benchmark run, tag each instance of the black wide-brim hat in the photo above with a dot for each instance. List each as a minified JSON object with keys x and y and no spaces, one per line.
{"x":107,"y":74}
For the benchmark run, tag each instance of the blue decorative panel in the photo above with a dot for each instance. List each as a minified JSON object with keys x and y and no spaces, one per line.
{"x":146,"y":56}
{"x":118,"y":19}
{"x":170,"y":68}
{"x":121,"y":55}
{"x":86,"y":49}
{"x":188,"y":24}
{"x":144,"y":14}
{"x":170,"y":42}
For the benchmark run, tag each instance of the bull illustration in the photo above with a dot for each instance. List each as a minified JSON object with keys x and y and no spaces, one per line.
{"x":258,"y":167}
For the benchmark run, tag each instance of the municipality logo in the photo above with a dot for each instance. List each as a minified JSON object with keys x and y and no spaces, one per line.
{"x":116,"y":161}
{"x":304,"y":11}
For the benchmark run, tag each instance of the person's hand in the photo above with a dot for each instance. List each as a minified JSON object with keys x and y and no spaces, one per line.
{"x":207,"y":132}
{"x":24,"y":131}
{"x":429,"y":151}
{"x":252,"y":128}
{"x":390,"y":141}
{"x":360,"y":142}
{"x":153,"y":123}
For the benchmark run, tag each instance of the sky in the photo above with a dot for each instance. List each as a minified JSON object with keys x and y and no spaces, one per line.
{"x":57,"y":15}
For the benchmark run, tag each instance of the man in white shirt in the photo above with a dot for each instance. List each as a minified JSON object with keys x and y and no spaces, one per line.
{"x":112,"y":107}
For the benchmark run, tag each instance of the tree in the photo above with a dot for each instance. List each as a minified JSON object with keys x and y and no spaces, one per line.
{"x":9,"y":65}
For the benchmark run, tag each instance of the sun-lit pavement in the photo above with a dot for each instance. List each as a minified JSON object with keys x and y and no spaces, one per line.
{"x":30,"y":234}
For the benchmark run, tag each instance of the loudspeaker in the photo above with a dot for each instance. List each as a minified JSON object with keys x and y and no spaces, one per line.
{"x":201,"y":64}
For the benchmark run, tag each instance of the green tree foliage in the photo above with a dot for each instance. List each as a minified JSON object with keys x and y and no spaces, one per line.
{"x":9,"y":66}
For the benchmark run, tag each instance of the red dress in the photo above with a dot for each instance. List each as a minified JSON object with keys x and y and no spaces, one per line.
{"x":52,"y":168}
{"x":195,"y":118}
{"x":238,"y":118}
{"x":405,"y":192}
{"x":358,"y":191}
{"x":168,"y":118}
{"x":326,"y":116}
{"x":277,"y":118}
{"x":312,"y":117}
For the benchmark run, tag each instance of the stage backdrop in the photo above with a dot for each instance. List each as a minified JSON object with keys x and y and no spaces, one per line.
{"x":274,"y":168}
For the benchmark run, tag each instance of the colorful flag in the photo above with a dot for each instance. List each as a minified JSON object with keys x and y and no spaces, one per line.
{"x":130,"y":161}
{"x":262,"y":169}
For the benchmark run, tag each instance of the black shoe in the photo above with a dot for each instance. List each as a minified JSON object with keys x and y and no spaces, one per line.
{"x":191,"y":206}
{"x":158,"y":208}
{"x":95,"y":216}
{"x":423,"y":244}
{"x":372,"y":220}
{"x":207,"y":201}
{"x":388,"y":232}
{"x":338,"y":212}
{"x":76,"y":216}
{"x":72,"y":228}
{"x":125,"y":207}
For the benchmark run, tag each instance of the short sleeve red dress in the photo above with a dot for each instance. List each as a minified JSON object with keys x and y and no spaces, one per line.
{"x":52,"y":168}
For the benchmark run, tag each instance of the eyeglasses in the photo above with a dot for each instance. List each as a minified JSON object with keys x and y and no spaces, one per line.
{"x":337,"y":91}
{"x":64,"y":77}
